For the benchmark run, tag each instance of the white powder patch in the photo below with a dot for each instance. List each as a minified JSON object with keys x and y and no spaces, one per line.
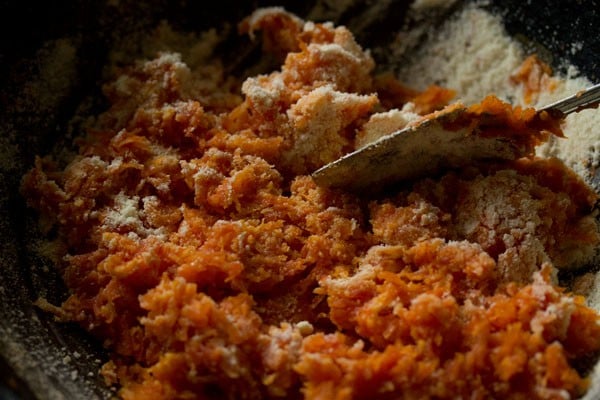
{"x":581,"y":148}
{"x":316,"y":119}
{"x":263,"y":91}
{"x":126,"y":213}
{"x":333,"y":51}
{"x":593,"y":299}
{"x":382,"y":124}
{"x":470,"y":53}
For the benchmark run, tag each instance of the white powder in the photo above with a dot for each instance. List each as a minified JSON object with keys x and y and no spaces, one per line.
{"x":124,"y":213}
{"x":472,"y":54}
{"x":127,"y":213}
{"x":381,"y":124}
{"x":581,"y":149}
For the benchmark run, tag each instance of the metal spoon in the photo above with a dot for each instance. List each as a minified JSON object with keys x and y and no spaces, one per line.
{"x":429,"y":147}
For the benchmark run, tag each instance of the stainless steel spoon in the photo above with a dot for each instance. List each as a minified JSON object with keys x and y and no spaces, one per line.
{"x":429,"y":147}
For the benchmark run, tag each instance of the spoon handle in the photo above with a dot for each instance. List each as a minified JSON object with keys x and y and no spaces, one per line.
{"x":587,"y":98}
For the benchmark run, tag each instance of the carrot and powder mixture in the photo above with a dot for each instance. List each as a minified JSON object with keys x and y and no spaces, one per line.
{"x":199,"y":251}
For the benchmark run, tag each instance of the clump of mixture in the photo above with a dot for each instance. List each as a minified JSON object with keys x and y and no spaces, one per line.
{"x":200,"y":252}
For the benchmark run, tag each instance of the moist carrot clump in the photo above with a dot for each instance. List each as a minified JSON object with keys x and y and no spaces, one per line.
{"x":202,"y":255}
